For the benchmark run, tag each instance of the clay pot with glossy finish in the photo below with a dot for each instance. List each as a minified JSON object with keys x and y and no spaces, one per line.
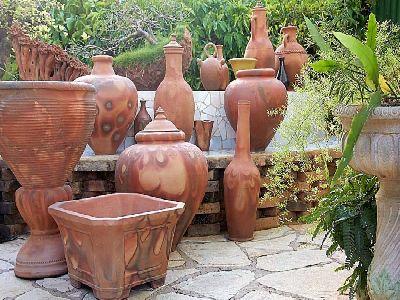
{"x":174,"y":94}
{"x":295,"y":55}
{"x":242,"y":64}
{"x":241,"y":183}
{"x":142,"y":119}
{"x":44,"y":129}
{"x":163,"y":165}
{"x":118,"y":241}
{"x":117,"y":102}
{"x":377,"y":153}
{"x":259,"y":46}
{"x":224,"y":68}
{"x":265,"y":94}
{"x":202,"y":131}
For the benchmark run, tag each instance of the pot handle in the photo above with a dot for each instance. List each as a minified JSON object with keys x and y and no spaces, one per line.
{"x":253,"y":22}
{"x":206,"y":50}
{"x":285,"y":39}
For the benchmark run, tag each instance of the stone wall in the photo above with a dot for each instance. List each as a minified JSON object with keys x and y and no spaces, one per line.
{"x":94,"y":175}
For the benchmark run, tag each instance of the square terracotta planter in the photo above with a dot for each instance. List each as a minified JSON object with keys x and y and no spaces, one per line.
{"x":115,"y":242}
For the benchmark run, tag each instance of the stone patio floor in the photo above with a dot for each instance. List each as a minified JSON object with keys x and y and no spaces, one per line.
{"x":279,"y":264}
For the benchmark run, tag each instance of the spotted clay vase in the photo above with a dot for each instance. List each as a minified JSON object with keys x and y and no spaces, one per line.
{"x":174,"y":94}
{"x":142,"y":119}
{"x":117,"y":102}
{"x":44,"y":128}
{"x":266,"y":95}
{"x":163,"y":165}
{"x":294,"y":55}
{"x":241,"y":183}
{"x":259,"y":46}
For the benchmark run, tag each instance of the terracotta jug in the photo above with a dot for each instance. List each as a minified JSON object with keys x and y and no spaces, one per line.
{"x":116,"y":105}
{"x":259,"y":46}
{"x":142,"y":119}
{"x":265,"y":93}
{"x":163,"y":165}
{"x":241,"y":182}
{"x":202,"y":131}
{"x":295,"y":55}
{"x":174,"y":94}
{"x":45,"y":126}
{"x":225,"y":69}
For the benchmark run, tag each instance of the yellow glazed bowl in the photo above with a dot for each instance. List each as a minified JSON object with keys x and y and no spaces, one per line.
{"x":242,"y":64}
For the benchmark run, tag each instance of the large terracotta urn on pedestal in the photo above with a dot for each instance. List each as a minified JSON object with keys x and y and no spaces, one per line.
{"x":241,"y":182}
{"x":259,"y":46}
{"x":117,"y":102}
{"x":295,"y":57}
{"x":265,"y":94}
{"x":174,"y":94}
{"x":44,"y":128}
{"x":377,"y":153}
{"x":163,"y":165}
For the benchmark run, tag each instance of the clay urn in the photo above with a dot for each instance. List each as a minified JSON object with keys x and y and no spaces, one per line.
{"x":44,"y":127}
{"x":238,"y":64}
{"x":295,"y":56}
{"x":241,"y":182}
{"x":377,"y":153}
{"x":224,"y":67}
{"x":202,"y":131}
{"x":142,"y":119}
{"x":259,"y":46}
{"x":267,"y":96}
{"x":174,"y":94}
{"x":116,"y":103}
{"x":163,"y":165}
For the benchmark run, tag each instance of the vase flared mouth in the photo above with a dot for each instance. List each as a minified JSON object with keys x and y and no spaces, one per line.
{"x":47,"y":85}
{"x":102,"y":58}
{"x":380,"y":112}
{"x":267,"y":72}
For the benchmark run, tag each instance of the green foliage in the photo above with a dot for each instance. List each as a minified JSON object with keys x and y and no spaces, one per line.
{"x":10,"y":71}
{"x":348,"y":217}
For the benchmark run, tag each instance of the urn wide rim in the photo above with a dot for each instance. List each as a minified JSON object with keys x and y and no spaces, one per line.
{"x":266,"y":72}
{"x":48,"y":85}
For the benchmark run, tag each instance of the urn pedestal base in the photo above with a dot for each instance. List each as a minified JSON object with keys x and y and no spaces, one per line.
{"x":43,"y":253}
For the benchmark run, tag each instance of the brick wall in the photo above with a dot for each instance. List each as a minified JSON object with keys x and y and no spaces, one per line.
{"x":94,"y":175}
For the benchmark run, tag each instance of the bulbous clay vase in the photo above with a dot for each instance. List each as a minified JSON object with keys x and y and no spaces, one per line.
{"x":142,"y":119}
{"x":295,"y":55}
{"x":259,"y":46}
{"x":45,"y":126}
{"x":224,"y":66}
{"x":174,"y":94}
{"x":241,"y":182}
{"x":265,"y":93}
{"x":202,"y":131}
{"x":117,"y":102}
{"x":377,"y":153}
{"x":162,"y":165}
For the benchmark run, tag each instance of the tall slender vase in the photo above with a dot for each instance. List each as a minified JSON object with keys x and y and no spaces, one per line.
{"x":241,"y":182}
{"x":174,"y":94}
{"x":259,"y":46}
{"x":225,"y":69}
{"x":142,"y":119}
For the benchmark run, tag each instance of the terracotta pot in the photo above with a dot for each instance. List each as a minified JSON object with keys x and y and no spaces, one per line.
{"x":116,"y":105}
{"x":142,"y":119}
{"x":212,"y":75}
{"x":265,"y":93}
{"x":377,"y":153}
{"x":174,"y":95}
{"x":203,"y":130}
{"x":162,"y":165}
{"x":225,"y":70}
{"x":295,"y":55}
{"x":241,"y":183}
{"x":242,"y":64}
{"x":259,"y":46}
{"x":44,"y":127}
{"x":118,"y":241}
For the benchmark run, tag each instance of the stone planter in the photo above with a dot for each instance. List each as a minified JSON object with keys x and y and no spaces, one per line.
{"x":377,"y":153}
{"x":115,"y":242}
{"x":44,"y":128}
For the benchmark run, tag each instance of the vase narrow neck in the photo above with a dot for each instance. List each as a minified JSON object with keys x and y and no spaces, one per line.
{"x":173,"y":68}
{"x":102,"y":68}
{"x":220,"y":54}
{"x":242,"y":149}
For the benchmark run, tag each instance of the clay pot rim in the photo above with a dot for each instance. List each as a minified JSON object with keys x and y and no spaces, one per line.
{"x":47,"y":85}
{"x":242,"y":59}
{"x":290,"y":27}
{"x":380,"y":112}
{"x":102,"y":58}
{"x":265,"y":72}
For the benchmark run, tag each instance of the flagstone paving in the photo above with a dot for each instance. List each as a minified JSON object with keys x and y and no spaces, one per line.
{"x":279,"y":264}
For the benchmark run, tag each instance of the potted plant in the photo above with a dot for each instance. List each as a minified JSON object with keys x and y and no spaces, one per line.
{"x":370,"y":118}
